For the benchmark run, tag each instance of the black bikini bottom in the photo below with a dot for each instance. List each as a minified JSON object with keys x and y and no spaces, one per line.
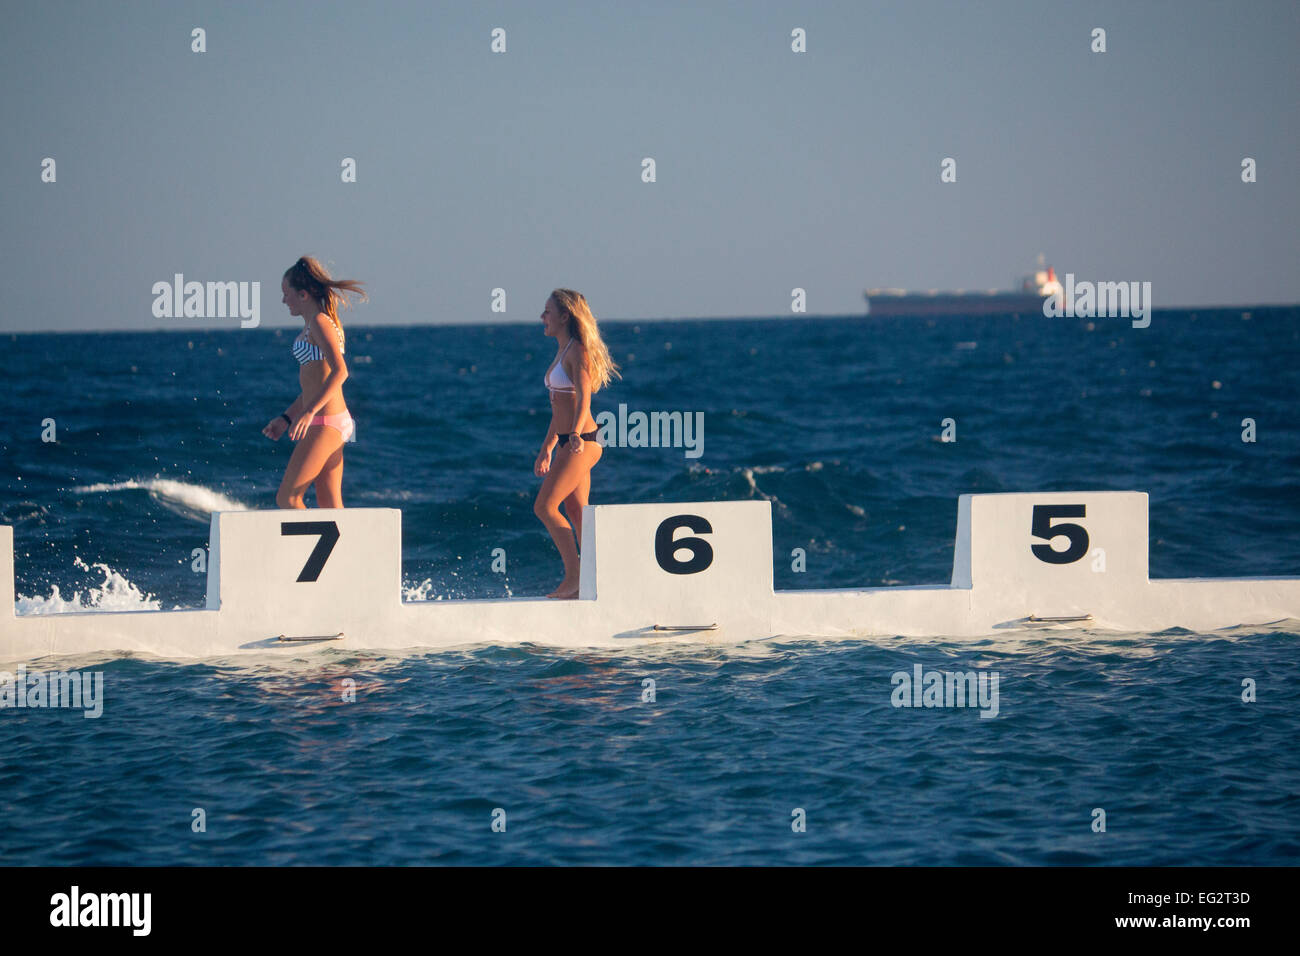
{"x":586,"y":436}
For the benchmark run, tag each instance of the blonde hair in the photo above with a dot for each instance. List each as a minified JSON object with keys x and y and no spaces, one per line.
{"x":582,"y":326}
{"x":310,"y":276}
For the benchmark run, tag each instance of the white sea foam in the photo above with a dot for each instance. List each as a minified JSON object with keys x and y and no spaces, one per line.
{"x":385,"y":494}
{"x":190,"y":501}
{"x":427,"y":590}
{"x":748,"y":475}
{"x":115,"y":593}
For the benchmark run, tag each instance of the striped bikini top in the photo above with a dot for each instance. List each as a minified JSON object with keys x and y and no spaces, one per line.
{"x":304,"y":351}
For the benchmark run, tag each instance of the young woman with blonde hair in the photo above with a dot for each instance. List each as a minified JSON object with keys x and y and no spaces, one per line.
{"x":582,"y":366}
{"x":318,"y":419}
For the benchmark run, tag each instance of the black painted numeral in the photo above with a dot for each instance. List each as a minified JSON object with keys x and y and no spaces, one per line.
{"x":1043,"y":528}
{"x":329,"y":533}
{"x":666,"y":548}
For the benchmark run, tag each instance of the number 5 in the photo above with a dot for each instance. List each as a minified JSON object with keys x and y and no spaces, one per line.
{"x":1043,"y":528}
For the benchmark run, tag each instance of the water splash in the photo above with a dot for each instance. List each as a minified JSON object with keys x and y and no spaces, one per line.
{"x":114,"y":593}
{"x":187,"y":500}
{"x":428,"y":590}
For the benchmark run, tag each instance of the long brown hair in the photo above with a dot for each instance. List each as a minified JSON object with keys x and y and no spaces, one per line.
{"x":310,"y":276}
{"x":582,"y":326}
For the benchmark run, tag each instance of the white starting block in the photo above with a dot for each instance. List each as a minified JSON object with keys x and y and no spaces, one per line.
{"x":660,"y":572}
{"x":685,"y":568}
{"x":309,"y":569}
{"x":1064,"y":555}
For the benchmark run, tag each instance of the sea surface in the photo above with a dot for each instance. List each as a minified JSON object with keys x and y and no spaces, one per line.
{"x":784,"y":751}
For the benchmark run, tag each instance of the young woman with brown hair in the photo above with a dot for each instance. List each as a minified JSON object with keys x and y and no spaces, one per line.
{"x":318,"y":419}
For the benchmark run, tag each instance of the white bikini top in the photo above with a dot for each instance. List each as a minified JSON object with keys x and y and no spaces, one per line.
{"x":557,"y":380}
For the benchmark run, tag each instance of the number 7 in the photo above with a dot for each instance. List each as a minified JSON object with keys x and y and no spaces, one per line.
{"x":329,"y":534}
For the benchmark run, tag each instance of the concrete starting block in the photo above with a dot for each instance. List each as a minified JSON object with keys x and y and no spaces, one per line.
{"x":280,"y":580}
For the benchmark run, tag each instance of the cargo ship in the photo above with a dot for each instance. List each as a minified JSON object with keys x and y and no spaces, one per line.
{"x":1027,"y":300}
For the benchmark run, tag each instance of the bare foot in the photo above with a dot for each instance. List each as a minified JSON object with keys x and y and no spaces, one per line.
{"x":565,"y":592}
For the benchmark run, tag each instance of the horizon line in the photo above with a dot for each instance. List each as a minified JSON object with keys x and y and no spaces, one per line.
{"x":665,"y":318}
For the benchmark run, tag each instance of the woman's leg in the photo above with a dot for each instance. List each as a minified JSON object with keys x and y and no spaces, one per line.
{"x":329,"y":485}
{"x":574,"y":503}
{"x":567,"y":470}
{"x":306,"y":462}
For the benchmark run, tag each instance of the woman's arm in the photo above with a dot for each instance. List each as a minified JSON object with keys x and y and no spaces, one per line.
{"x":278,"y":426}
{"x":543,"y":463}
{"x":552,"y":437}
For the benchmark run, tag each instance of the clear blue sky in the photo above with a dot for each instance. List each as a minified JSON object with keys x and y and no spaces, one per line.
{"x":522,"y":170}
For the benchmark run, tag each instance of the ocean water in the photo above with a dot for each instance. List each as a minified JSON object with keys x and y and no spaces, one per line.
{"x":836,"y":422}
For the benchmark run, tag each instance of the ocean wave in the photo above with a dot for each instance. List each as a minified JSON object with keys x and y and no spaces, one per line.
{"x":190,"y":501}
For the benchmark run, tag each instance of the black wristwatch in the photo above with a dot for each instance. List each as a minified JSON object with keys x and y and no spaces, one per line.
{"x":287,"y":419}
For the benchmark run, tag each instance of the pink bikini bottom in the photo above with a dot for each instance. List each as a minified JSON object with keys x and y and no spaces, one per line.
{"x":341,"y":423}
